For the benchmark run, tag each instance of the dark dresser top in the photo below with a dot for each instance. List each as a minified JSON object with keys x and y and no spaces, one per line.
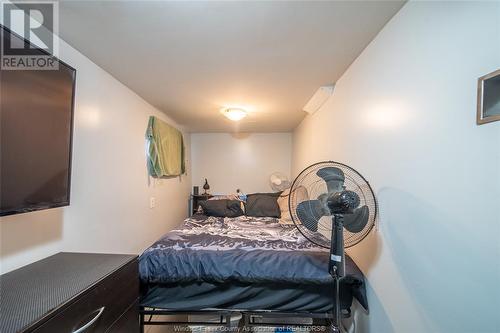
{"x":31,"y":293}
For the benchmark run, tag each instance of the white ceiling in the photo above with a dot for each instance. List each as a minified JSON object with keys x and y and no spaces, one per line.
{"x":189,"y":59}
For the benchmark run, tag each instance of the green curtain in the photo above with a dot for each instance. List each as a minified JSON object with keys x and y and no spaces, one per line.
{"x":165,"y":149}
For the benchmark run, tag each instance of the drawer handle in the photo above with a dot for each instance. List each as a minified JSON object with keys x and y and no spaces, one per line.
{"x":91,"y":322}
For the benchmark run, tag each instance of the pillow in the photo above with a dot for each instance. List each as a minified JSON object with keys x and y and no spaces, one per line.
{"x":283,"y":204}
{"x":301,"y":195}
{"x":230,"y":197}
{"x":224,"y":197}
{"x":221,"y":208}
{"x":263,"y":205}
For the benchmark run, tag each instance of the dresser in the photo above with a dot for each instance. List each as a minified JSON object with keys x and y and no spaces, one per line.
{"x":72,"y":292}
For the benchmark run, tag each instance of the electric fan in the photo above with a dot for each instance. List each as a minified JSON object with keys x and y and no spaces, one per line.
{"x":278,"y":182}
{"x":338,"y":211}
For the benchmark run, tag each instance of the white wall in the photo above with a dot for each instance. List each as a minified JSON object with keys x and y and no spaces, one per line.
{"x":245,"y":161}
{"x":404,"y":115}
{"x":109,"y":209}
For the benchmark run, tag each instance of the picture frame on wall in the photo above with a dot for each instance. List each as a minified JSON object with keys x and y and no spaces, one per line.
{"x":488,"y":98}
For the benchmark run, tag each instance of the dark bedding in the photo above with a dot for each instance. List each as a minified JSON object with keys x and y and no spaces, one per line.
{"x":238,"y":263}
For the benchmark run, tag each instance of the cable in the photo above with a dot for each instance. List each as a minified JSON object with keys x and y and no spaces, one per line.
{"x":353,"y":325}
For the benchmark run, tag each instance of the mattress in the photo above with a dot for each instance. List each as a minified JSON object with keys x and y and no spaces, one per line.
{"x":243,"y":263}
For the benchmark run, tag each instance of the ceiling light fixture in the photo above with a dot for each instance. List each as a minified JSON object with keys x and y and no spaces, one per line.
{"x":235,"y":114}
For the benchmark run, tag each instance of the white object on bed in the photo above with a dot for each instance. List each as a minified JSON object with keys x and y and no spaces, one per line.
{"x":300,"y":192}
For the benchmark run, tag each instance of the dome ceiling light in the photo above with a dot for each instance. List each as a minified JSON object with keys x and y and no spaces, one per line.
{"x":234,"y":114}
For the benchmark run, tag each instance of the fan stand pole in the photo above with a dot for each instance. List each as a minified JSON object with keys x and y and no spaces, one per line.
{"x":337,"y":267}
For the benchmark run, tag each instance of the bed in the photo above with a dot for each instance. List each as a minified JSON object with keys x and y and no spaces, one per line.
{"x":246,"y":264}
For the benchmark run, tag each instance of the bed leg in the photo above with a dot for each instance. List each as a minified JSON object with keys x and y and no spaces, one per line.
{"x":141,"y":321}
{"x":243,"y":324}
{"x":228,"y":321}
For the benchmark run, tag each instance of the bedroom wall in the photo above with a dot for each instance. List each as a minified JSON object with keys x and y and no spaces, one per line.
{"x":403,"y":114}
{"x":110,"y":191}
{"x":245,"y":160}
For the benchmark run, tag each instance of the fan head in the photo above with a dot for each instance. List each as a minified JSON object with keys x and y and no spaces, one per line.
{"x":279,"y":182}
{"x":331,"y":187}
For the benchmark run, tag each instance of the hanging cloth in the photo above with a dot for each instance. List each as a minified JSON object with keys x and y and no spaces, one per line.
{"x":165,"y":149}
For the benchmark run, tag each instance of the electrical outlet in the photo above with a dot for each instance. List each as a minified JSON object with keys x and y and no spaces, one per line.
{"x":152,"y":202}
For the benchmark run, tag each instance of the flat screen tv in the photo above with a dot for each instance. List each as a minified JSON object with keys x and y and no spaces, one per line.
{"x":36,"y":125}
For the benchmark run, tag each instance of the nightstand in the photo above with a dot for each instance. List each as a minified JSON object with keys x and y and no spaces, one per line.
{"x":195,"y":201}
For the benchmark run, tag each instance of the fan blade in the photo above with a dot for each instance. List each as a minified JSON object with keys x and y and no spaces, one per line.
{"x":334,"y":178}
{"x":356,"y":221}
{"x":309,"y":213}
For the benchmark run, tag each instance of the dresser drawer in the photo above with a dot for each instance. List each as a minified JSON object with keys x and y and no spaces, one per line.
{"x":128,"y":322}
{"x":95,"y":310}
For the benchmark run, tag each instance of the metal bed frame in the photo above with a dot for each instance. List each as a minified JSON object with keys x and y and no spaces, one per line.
{"x":248,"y":318}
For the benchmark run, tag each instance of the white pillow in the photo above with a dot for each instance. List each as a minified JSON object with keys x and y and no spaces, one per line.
{"x":301,"y":195}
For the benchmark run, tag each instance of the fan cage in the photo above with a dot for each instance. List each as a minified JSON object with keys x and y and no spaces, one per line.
{"x":309,"y":186}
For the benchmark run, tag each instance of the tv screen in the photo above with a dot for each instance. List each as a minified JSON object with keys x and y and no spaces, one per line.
{"x":36,"y":117}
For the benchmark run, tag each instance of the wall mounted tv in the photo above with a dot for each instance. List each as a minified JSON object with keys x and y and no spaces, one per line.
{"x":36,"y":125}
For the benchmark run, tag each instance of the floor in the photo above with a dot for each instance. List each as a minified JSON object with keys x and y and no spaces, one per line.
{"x":167,"y":329}
{"x":213,"y":329}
